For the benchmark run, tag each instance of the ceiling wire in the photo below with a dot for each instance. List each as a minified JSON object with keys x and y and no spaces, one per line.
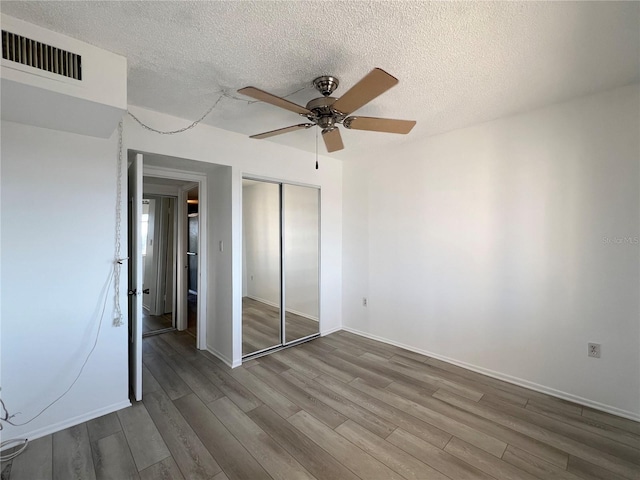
{"x":221,"y":94}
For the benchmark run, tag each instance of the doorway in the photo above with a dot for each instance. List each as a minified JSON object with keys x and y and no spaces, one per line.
{"x":160,"y":182}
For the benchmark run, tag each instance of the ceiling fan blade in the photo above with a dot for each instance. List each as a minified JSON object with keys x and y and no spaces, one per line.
{"x":375,"y":124}
{"x":332,"y":139}
{"x":266,"y":97}
{"x":280,"y":131}
{"x":375,"y":83}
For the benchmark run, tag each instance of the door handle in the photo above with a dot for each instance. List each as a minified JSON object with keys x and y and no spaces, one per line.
{"x":132,"y":292}
{"x":146,"y":290}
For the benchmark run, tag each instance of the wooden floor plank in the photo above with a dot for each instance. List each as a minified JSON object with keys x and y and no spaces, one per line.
{"x":193,"y":459}
{"x":300,"y":397}
{"x":352,"y":457}
{"x":195,"y":380}
{"x":351,"y":366}
{"x":144,"y":439}
{"x":72,"y":459}
{"x":426,"y":374}
{"x":317,"y":364}
{"x":360,"y":415}
{"x":589,"y":471}
{"x":149,"y":382}
{"x":266,"y":393}
{"x":438,"y":459}
{"x":486,"y":442}
{"x":36,"y":462}
{"x":613,"y":420}
{"x":487,"y":463}
{"x":590,"y":425}
{"x":168,"y":379}
{"x":164,"y":470}
{"x":393,"y":457}
{"x":541,"y":449}
{"x":568,"y":445}
{"x":581,"y":435}
{"x":112,"y":458}
{"x":318,"y":462}
{"x":234,"y":459}
{"x":411,"y":424}
{"x":182,"y":343}
{"x":501,"y":387}
{"x":535,"y":465}
{"x":273,"y":457}
{"x":103,"y":426}
{"x":233,"y":389}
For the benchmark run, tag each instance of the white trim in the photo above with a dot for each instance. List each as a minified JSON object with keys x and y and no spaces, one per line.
{"x":507,"y":378}
{"x":160,"y":190}
{"x":226,"y":360}
{"x":70,"y":422}
{"x":332,"y":330}
{"x":199,"y":179}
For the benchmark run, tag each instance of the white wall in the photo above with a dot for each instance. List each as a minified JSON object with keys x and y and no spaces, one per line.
{"x":505,"y":247}
{"x":258,"y":159}
{"x":58,"y":233}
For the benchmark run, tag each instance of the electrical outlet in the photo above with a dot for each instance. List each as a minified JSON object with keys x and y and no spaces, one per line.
{"x":594,"y":350}
{"x":364,"y":301}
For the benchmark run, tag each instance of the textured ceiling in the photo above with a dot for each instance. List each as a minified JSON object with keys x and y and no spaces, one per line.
{"x":458,"y":63}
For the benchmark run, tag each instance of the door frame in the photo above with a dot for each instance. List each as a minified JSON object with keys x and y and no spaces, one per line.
{"x":199,"y":179}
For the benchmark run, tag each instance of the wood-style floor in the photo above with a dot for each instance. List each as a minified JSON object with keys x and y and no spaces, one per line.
{"x":151,"y":323}
{"x":340,"y":407}
{"x":261,"y":326}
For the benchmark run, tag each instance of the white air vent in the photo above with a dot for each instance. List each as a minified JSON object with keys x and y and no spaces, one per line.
{"x":54,"y":81}
{"x":26,"y":51}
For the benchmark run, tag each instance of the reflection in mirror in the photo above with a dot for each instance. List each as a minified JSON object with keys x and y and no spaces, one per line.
{"x":261,"y":265}
{"x":301,"y":261}
{"x":158,"y":263}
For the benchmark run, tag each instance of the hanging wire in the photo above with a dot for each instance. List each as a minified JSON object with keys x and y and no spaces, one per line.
{"x":222,"y":94}
{"x":180,"y":130}
{"x":117,"y":319}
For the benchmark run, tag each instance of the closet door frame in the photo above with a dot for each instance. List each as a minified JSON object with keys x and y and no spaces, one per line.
{"x":282,"y":264}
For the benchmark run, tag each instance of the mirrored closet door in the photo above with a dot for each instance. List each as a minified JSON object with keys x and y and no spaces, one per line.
{"x":281,"y":258}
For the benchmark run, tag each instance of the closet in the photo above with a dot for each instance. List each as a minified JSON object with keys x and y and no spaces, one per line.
{"x":281,"y":265}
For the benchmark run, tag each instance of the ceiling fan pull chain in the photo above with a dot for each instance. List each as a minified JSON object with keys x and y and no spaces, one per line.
{"x":316,"y":149}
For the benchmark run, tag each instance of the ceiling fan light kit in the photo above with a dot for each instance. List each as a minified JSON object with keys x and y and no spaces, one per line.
{"x":328,"y":112}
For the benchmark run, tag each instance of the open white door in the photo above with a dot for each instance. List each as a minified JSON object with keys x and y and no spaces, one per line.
{"x":135,"y":276}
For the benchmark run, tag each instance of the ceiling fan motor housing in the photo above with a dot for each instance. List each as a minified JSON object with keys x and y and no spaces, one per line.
{"x":322,"y":113}
{"x":326,"y":84}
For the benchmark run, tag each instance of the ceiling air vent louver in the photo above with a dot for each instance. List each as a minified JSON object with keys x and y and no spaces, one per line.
{"x":17,"y":48}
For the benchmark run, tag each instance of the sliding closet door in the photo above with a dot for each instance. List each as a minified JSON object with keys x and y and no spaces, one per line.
{"x":301,"y":240}
{"x":261,"y":319}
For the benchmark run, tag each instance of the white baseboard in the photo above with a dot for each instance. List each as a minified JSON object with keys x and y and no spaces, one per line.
{"x":70,"y":422}
{"x":226,"y":360}
{"x":331,"y":330}
{"x":507,"y":378}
